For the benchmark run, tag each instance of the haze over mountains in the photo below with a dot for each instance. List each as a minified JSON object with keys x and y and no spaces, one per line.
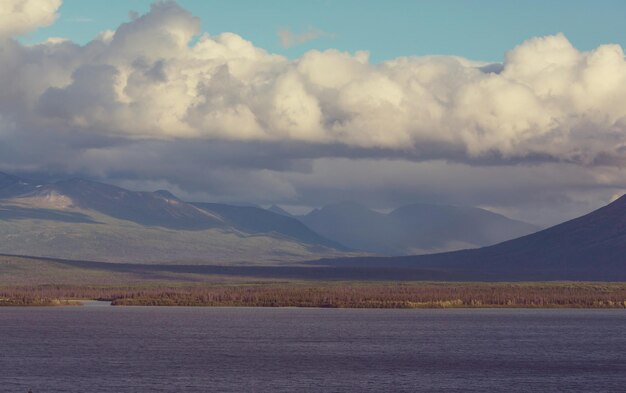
{"x":413,"y":229}
{"x":85,"y":220}
{"x":591,"y":247}
{"x":82,"y":219}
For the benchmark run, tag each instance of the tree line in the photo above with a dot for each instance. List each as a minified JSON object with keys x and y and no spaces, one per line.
{"x":336,"y":295}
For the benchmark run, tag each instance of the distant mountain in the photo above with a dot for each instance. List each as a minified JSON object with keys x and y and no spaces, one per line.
{"x":356,"y":227}
{"x":256,"y":220}
{"x":591,"y":247}
{"x":413,"y":229}
{"x":82,"y":219}
{"x":441,"y":226}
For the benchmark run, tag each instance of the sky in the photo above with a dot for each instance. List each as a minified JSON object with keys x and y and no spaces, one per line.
{"x":480,"y":30}
{"x":513,"y":107}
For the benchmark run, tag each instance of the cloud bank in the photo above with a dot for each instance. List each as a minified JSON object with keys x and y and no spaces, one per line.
{"x":22,"y":16}
{"x":157,"y":94}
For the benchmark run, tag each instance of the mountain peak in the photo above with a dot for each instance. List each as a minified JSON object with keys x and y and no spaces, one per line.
{"x":166,"y":194}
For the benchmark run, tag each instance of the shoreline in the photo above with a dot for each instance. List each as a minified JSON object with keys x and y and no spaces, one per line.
{"x":354,"y":295}
{"x":424,"y":307}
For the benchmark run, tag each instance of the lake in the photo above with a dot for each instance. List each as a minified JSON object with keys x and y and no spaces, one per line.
{"x":142,"y":349}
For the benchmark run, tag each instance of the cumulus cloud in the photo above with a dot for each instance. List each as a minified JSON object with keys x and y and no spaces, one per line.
{"x":288,"y":38}
{"x":22,"y":16}
{"x":146,"y":80}
{"x":158,"y":99}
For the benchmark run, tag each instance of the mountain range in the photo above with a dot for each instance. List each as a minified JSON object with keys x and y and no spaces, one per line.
{"x":84,"y":220}
{"x":87,"y":220}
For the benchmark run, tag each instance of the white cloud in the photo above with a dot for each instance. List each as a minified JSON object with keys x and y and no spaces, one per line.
{"x":56,"y":40}
{"x":146,"y":81}
{"x":288,"y":38}
{"x":21,"y":16}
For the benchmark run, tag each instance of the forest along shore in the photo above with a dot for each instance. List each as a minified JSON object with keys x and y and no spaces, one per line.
{"x":332,"y":295}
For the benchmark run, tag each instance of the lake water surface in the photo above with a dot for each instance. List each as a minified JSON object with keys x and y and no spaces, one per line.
{"x":157,"y":349}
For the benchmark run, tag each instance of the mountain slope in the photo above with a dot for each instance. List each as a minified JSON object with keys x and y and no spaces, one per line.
{"x":145,"y":208}
{"x":81,"y":219}
{"x":255,"y":220}
{"x":591,"y":247}
{"x":413,"y":229}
